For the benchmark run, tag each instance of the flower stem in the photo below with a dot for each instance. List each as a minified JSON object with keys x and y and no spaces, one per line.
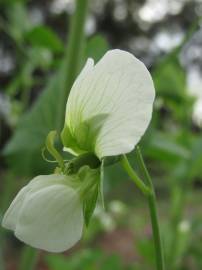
{"x":139,"y":183}
{"x":149,"y":191}
{"x":153,"y":214}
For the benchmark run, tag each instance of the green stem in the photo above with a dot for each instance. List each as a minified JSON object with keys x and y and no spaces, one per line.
{"x":153,"y":214}
{"x":139,"y":183}
{"x":150,"y":193}
{"x":74,"y":53}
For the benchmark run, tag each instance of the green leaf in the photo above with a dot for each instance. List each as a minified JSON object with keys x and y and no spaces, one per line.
{"x":88,"y":259}
{"x":18,"y":19}
{"x":194,"y":165}
{"x":58,"y":262}
{"x":169,"y":79}
{"x":33,"y":128}
{"x":165,"y":148}
{"x":43,"y":36}
{"x":170,"y":84}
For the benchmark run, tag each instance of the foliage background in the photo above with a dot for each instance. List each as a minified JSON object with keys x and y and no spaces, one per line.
{"x":167,"y":37}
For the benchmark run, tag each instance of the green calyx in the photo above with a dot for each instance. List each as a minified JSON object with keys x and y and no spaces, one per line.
{"x":88,"y":186}
{"x":86,"y":171}
{"x":87,"y":159}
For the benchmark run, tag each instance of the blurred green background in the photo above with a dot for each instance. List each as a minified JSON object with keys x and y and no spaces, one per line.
{"x":167,"y":36}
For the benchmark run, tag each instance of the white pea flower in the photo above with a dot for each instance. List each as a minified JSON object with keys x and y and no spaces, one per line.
{"x":109,"y":106}
{"x":108,"y":110}
{"x":47,"y":213}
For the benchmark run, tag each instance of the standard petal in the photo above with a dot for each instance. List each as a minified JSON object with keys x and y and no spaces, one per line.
{"x":118,"y":95}
{"x":51,"y":218}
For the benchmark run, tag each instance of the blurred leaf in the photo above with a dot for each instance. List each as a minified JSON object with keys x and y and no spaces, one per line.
{"x":24,"y":79}
{"x":18,"y":19}
{"x":34,"y":126}
{"x":97,"y":46}
{"x":169,"y":79}
{"x":43,"y":36}
{"x":146,"y":249}
{"x":90,"y":259}
{"x":28,"y":258}
{"x":170,"y":84}
{"x":164,"y":147}
{"x":189,"y":169}
{"x":195,"y":164}
{"x":57,"y":262}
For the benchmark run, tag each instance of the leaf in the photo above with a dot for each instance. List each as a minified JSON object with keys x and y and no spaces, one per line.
{"x":164,"y":147}
{"x":58,"y":262}
{"x":88,"y":259}
{"x":169,"y":79}
{"x":33,"y":128}
{"x":43,"y":36}
{"x":18,"y":19}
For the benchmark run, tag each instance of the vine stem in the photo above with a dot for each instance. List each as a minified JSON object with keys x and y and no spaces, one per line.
{"x":149,"y":192}
{"x":134,"y":177}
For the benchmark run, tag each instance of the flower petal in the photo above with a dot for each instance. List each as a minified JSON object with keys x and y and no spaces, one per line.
{"x":117,"y":94}
{"x":51,"y":218}
{"x":11,"y":216}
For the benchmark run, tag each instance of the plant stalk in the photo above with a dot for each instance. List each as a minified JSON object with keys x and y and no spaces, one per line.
{"x":149,"y":191}
{"x":153,"y":213}
{"x":134,"y":177}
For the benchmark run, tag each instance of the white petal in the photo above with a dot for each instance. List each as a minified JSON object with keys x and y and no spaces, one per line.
{"x":120,"y":88}
{"x":74,"y":97}
{"x":51,"y":218}
{"x":11,"y":216}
